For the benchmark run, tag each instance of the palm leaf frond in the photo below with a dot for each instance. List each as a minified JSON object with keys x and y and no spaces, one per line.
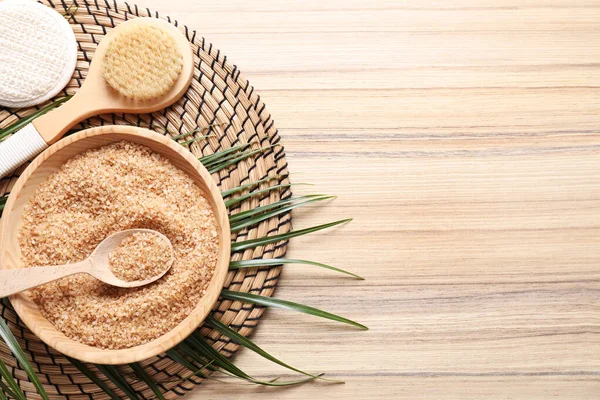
{"x":94,"y":378}
{"x":3,"y":201}
{"x":197,"y":372}
{"x":227,"y":155}
{"x":180,"y":359}
{"x":254,"y":218}
{"x":185,"y":134}
{"x":228,"y":161}
{"x":10,"y":386}
{"x":200,"y":355}
{"x":70,"y":12}
{"x":197,"y":342}
{"x":286,"y":305}
{"x":239,"y":199}
{"x":114,"y":375}
{"x":190,"y":141}
{"x":277,"y":383}
{"x":269,"y":262}
{"x":15,"y":348}
{"x":261,"y":209}
{"x":5,"y":391}
{"x":244,"y":341}
{"x":198,"y":364}
{"x":143,"y":375}
{"x":229,"y":192}
{"x":196,"y":130}
{"x":195,"y":345}
{"x":212,"y":158}
{"x":247,"y":244}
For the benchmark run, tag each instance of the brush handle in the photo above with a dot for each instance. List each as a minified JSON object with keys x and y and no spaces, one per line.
{"x":18,"y":280}
{"x":54,"y":124}
{"x":19,"y":148}
{"x":36,"y":136}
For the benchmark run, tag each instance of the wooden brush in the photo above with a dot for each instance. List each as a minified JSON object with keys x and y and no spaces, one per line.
{"x":141,"y":66}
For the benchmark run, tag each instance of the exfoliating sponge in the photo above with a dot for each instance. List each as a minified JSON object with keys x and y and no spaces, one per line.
{"x":142,"y":62}
{"x":38,"y":53}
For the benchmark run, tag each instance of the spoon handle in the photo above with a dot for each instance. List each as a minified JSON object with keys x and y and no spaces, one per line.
{"x":17,"y":280}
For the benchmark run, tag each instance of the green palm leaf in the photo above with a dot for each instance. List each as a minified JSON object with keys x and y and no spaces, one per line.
{"x":242,"y":340}
{"x":223,"y":156}
{"x":212,"y":158}
{"x":200,"y":355}
{"x":5,"y":391}
{"x":14,"y":346}
{"x":94,"y":378}
{"x":3,"y":201}
{"x":198,"y":129}
{"x":178,"y":358}
{"x":277,"y":383}
{"x":240,"y":156}
{"x":243,"y":197}
{"x":185,"y":134}
{"x":197,"y":342}
{"x":247,"y":244}
{"x":253,"y":220}
{"x":198,"y":372}
{"x":269,"y":262}
{"x":197,"y":357}
{"x":143,"y":375}
{"x":286,"y":305}
{"x":190,"y":141}
{"x":114,"y":375}
{"x":212,"y":168}
{"x":200,"y":359}
{"x":261,"y":209}
{"x":11,"y":387}
{"x":229,"y":192}
{"x":199,"y":346}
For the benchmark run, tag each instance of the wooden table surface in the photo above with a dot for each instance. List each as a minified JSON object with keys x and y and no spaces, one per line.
{"x":464,"y":138}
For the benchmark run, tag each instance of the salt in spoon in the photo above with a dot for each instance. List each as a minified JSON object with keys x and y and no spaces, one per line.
{"x":97,"y":264}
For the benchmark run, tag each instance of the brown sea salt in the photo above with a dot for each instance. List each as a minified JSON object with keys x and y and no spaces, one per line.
{"x":140,"y":256}
{"x":100,"y":192}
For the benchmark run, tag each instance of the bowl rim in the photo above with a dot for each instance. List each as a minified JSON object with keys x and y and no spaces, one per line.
{"x":28,"y":311}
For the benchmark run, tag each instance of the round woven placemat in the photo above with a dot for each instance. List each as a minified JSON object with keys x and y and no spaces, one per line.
{"x":223,"y":104}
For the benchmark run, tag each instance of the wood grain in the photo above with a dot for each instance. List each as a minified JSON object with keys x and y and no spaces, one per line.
{"x":463,"y":137}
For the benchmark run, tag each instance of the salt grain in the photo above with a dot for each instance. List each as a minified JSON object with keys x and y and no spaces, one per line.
{"x":142,"y":255}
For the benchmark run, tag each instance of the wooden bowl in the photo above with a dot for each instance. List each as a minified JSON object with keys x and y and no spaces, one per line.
{"x":50,"y":161}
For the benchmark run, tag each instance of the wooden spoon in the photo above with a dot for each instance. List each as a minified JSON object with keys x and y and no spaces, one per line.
{"x":97,"y":264}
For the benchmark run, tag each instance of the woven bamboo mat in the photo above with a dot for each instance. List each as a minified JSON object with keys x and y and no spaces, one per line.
{"x":223,"y":104}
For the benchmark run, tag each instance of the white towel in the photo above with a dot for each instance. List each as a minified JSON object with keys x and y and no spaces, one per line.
{"x":38,"y":53}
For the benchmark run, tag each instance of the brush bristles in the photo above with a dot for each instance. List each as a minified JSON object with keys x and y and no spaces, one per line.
{"x":142,"y":62}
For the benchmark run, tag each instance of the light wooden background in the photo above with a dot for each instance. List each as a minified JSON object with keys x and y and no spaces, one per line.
{"x":464,"y":138}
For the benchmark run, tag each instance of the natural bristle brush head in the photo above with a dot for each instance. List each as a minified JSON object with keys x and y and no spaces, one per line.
{"x":142,"y":62}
